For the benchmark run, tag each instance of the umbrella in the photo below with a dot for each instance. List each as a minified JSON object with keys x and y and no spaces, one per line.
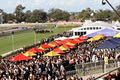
{"x":29,"y":53}
{"x":73,"y":41}
{"x":83,"y":37}
{"x":36,"y":50}
{"x":53,"y":44}
{"x":41,"y":48}
{"x":60,"y":42}
{"x":79,"y":40}
{"x":66,"y":40}
{"x":57,"y":50}
{"x":70,"y":46}
{"x":65,"y":46}
{"x":69,"y":43}
{"x":97,"y":37}
{"x":117,"y":35}
{"x":51,"y":53}
{"x":62,"y":48}
{"x":46,"y":46}
{"x":20,"y":57}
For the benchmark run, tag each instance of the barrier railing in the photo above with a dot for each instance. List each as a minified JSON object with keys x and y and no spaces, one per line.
{"x":93,"y":68}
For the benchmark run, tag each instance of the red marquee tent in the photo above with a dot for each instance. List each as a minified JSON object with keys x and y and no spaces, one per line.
{"x":46,"y":46}
{"x":36,"y":50}
{"x":20,"y":57}
{"x":57,"y":50}
{"x":83,"y":37}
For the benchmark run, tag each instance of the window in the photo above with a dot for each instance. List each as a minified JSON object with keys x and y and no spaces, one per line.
{"x":81,"y":33}
{"x":93,"y":28}
{"x":96,"y":27}
{"x":81,"y":28}
{"x":84,"y":28}
{"x":76,"y":33}
{"x":84,"y":32}
{"x":88,"y":28}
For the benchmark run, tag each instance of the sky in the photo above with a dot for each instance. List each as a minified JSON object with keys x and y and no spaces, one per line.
{"x":68,"y":5}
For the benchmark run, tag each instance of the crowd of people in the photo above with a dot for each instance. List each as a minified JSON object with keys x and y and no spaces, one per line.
{"x":53,"y":68}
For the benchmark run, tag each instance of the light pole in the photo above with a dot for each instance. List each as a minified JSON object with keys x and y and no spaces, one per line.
{"x":1,"y":17}
{"x":13,"y":40}
{"x":104,"y":2}
{"x":35,"y":37}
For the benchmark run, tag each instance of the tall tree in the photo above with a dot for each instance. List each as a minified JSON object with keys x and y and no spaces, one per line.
{"x":118,"y":8}
{"x":85,"y":14}
{"x":19,"y":13}
{"x":103,"y":15}
{"x":39,"y":16}
{"x":58,"y":14}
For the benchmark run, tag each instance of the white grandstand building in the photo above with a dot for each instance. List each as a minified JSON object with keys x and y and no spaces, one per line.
{"x":90,"y":27}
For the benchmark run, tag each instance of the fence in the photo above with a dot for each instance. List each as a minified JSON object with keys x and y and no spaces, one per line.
{"x":93,"y":68}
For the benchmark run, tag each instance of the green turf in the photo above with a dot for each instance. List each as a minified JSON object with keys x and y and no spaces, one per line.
{"x":23,"y":39}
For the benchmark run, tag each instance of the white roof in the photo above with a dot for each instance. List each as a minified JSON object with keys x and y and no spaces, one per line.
{"x":61,"y":38}
{"x":95,"y":24}
{"x":73,"y":37}
{"x":99,"y":23}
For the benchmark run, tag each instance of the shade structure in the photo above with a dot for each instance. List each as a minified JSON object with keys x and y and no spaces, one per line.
{"x":41,"y":48}
{"x":54,"y":44}
{"x":51,"y":53}
{"x":109,"y":44}
{"x":117,"y":40}
{"x":95,"y":38}
{"x":83,"y":37}
{"x":62,"y":48}
{"x":61,"y":38}
{"x":34,"y":50}
{"x":117,"y":35}
{"x":65,"y":46}
{"x":20,"y":57}
{"x":73,"y":37}
{"x":46,"y":46}
{"x":29,"y":54}
{"x":69,"y":43}
{"x":79,"y":40}
{"x":70,"y":46}
{"x":66,"y":40}
{"x":57,"y":50}
{"x":60,"y":42}
{"x":73,"y":41}
{"x":106,"y":32}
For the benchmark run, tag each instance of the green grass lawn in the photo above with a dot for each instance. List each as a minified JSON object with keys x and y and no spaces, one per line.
{"x":22,"y":39}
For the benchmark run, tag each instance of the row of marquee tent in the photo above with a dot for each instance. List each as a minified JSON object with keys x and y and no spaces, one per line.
{"x":61,"y":46}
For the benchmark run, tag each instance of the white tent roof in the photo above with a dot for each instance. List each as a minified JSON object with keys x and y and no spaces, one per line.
{"x":95,"y":24}
{"x":61,"y":38}
{"x":73,"y":37}
{"x":99,"y":23}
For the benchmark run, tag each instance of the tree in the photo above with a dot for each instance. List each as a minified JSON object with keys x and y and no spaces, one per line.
{"x":8,"y":17}
{"x":85,"y":14}
{"x":28,"y":15}
{"x":39,"y":16}
{"x":118,"y":8}
{"x":58,"y":14}
{"x":19,"y":13}
{"x":103,"y":15}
